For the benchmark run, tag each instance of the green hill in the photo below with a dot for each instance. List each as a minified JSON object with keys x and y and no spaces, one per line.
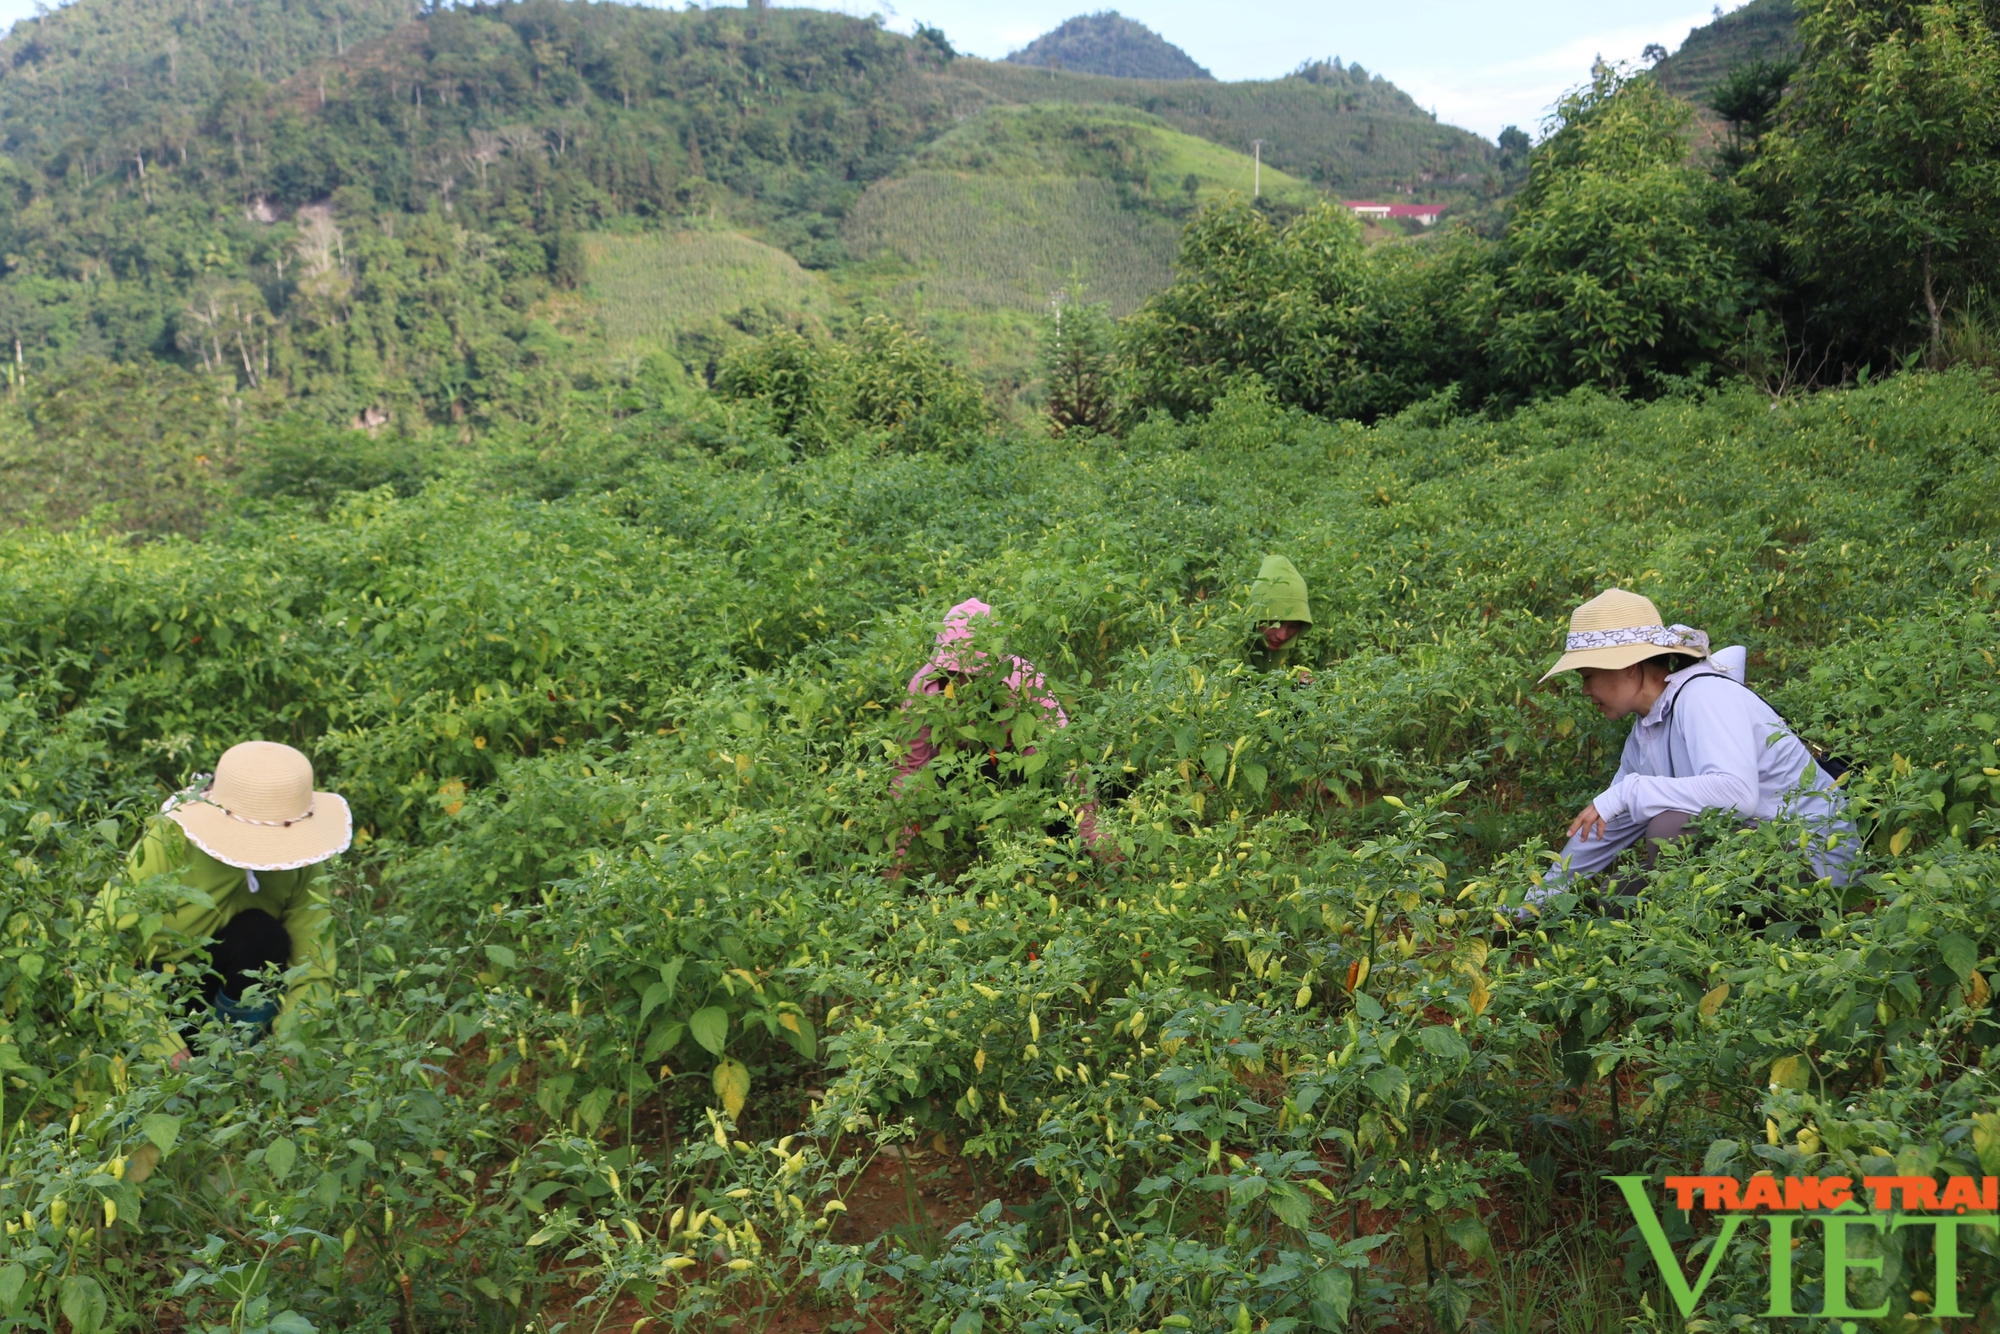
{"x":1336,"y":126}
{"x":984,"y":223}
{"x":1761,"y":30}
{"x":1109,"y":43}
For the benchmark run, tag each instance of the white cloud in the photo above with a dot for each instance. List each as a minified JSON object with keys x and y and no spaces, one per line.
{"x":1522,"y":91}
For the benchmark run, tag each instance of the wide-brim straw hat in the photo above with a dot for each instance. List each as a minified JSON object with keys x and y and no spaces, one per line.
{"x":259,"y":811}
{"x":1616,"y":629}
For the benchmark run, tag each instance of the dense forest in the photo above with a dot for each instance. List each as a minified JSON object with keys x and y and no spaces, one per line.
{"x":378,"y":234}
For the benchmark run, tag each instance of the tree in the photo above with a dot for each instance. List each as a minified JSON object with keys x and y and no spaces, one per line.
{"x":1748,"y":99}
{"x":884,"y":382}
{"x":1887,"y":164}
{"x":1289,"y":305}
{"x":1622,"y":261}
{"x":1076,"y":361}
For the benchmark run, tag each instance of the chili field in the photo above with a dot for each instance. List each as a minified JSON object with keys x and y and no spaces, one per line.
{"x":646,"y":1022}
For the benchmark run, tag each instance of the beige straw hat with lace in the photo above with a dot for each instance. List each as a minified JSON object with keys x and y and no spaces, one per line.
{"x":1616,"y":629}
{"x":259,"y":811}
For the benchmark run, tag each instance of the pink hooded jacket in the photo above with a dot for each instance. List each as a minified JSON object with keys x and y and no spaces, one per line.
{"x":1024,"y":680}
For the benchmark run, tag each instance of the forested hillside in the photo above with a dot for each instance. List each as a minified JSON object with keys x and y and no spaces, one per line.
{"x":392,"y":234}
{"x":92,"y":80}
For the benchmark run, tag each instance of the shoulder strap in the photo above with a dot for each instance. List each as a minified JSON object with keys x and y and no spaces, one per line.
{"x":1668,"y":716}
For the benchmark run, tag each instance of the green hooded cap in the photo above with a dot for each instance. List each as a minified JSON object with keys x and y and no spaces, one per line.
{"x":1280,"y":592}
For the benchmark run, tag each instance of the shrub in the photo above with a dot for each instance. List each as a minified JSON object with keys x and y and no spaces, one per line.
{"x":883,"y":383}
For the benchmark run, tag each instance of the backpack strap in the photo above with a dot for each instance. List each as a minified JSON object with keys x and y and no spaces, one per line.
{"x":1831,"y":765}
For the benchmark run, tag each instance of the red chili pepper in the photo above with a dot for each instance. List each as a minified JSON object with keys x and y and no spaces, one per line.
{"x":1353,"y":974}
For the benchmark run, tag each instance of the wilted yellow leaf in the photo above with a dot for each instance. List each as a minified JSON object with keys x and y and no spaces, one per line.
{"x":1713,"y":1001}
{"x":1480,"y":997}
{"x":979,"y":1060}
{"x":1977,"y":991}
{"x":1789,"y":1072}
{"x":1899,"y":840}
{"x":788,"y":1021}
{"x":732,"y":1085}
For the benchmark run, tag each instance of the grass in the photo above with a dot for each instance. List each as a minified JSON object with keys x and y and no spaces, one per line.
{"x":648,"y":289}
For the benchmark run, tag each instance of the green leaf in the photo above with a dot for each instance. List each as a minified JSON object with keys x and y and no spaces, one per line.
{"x":1444,"y":1042}
{"x":501,"y":955}
{"x":12,"y":1277}
{"x":1216,"y":760}
{"x":1332,"y":1296}
{"x":83,"y":1304}
{"x":162,"y":1130}
{"x":968,"y":1322}
{"x":1290,"y":1204}
{"x":710,"y":1026}
{"x":291,"y":1322}
{"x":363,"y":1148}
{"x":663,"y":1040}
{"x":594,"y":1105}
{"x":1470,"y":1234}
{"x":1720,"y":1153}
{"x":657,"y":994}
{"x":280,"y":1156}
{"x":1959,"y":954}
{"x":1390,"y":1085}
{"x":799,"y":1032}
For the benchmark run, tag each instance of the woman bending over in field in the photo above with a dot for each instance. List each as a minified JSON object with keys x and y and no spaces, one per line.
{"x":1704,"y":741}
{"x":1278,"y":600}
{"x":1010,"y":752}
{"x":245,"y":845}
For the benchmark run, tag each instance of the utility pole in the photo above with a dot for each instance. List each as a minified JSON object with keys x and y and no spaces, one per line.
{"x":1257,"y":169}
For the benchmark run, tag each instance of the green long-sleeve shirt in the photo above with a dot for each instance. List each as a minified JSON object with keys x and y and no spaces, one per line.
{"x":289,"y":896}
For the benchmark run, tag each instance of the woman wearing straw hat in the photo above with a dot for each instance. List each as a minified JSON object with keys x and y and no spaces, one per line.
{"x":250,"y":839}
{"x":1704,"y":741}
{"x":1278,"y":600}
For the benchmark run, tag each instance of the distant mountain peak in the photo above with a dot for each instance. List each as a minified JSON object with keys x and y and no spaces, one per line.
{"x":1109,"y":43}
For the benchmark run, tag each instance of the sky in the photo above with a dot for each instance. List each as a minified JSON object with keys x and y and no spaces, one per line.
{"x":1481,"y":64}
